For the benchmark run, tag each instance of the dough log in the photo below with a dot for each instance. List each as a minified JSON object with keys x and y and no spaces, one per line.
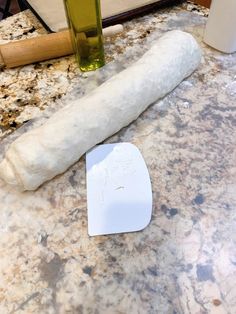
{"x":39,"y":155}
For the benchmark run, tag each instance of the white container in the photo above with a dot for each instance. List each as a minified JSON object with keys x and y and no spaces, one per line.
{"x":220,"y":32}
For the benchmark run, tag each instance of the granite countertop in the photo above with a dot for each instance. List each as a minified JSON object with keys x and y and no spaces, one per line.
{"x":185,"y":260}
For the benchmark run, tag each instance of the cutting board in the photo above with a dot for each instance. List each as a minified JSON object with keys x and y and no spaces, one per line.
{"x":52,"y":13}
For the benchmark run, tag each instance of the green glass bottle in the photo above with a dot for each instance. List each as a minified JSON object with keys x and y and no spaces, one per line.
{"x":85,"y":23}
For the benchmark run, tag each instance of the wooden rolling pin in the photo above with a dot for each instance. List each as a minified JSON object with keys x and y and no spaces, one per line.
{"x":42,"y":48}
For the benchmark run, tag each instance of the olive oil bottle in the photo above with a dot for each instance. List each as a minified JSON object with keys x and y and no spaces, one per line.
{"x":85,"y":23}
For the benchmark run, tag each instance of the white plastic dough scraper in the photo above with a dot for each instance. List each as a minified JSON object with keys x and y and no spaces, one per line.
{"x":119,"y":194}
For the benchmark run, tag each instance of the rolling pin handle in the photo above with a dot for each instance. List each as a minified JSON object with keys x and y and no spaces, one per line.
{"x":42,"y":48}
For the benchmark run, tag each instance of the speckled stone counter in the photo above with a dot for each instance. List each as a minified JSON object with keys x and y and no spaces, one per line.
{"x":185,"y":260}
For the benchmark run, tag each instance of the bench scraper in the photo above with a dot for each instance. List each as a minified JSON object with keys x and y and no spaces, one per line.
{"x":119,"y":194}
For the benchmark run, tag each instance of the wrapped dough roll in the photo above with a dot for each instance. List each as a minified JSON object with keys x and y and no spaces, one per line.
{"x":41,"y":154}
